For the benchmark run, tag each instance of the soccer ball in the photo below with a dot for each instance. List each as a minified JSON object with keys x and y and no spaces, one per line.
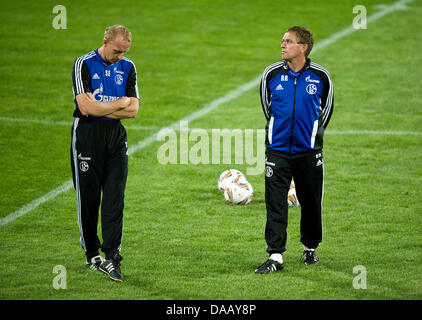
{"x":235,"y":187}
{"x":228,"y":177}
{"x":238,"y":193}
{"x":292,"y":200}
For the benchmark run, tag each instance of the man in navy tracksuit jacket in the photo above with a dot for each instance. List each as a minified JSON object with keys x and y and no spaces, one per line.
{"x":105,"y":91}
{"x":297,"y":100}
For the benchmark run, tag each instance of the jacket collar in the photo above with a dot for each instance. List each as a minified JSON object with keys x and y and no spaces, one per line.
{"x":286,"y":66}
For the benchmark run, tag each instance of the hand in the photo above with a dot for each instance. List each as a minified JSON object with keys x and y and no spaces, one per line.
{"x":88,"y":96}
{"x":125,"y":101}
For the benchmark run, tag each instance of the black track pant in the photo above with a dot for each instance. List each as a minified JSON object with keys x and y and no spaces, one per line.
{"x":307,"y":171}
{"x":99,"y":163}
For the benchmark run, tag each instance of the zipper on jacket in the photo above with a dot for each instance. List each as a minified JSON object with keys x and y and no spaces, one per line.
{"x":293,"y":118}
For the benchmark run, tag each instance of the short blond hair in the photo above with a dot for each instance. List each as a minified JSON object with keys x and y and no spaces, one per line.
{"x":111,"y":32}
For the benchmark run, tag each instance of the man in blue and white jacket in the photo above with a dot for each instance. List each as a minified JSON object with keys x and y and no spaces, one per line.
{"x":297,"y":100}
{"x":105,"y":90}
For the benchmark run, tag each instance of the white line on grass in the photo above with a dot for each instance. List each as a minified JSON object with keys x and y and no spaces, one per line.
{"x":67,"y":123}
{"x":33,"y":204}
{"x":375,"y":132}
{"x":36,"y":121}
{"x":332,"y":132}
{"x":197,"y":114}
{"x":335,"y":132}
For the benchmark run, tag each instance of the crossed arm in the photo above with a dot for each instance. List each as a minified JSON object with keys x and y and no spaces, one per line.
{"x":123,"y":108}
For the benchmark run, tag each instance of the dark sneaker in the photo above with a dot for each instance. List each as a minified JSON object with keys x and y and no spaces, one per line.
{"x":95,"y":262}
{"x":270,"y":266}
{"x":112,"y":268}
{"x":310,"y":257}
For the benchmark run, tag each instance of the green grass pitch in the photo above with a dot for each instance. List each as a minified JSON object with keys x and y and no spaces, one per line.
{"x":181,"y":240}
